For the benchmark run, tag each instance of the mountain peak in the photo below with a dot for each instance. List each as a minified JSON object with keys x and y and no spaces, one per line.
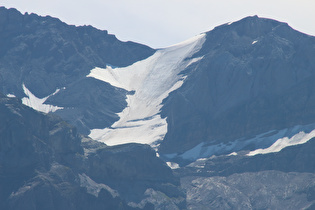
{"x":246,"y":67}
{"x":251,"y":26}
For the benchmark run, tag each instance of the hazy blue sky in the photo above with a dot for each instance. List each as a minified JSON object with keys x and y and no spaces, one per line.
{"x":159,"y":23}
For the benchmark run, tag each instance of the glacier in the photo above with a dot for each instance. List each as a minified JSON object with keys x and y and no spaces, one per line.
{"x":150,"y":80}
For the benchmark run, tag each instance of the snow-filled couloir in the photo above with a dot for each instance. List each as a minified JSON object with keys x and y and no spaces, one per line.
{"x":151,"y":80}
{"x":38,"y":103}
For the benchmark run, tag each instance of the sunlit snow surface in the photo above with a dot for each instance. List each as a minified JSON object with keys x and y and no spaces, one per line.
{"x":269,"y":142}
{"x":151,"y":80}
{"x":172,"y":165}
{"x":299,"y":138}
{"x":38,"y":103}
{"x":11,"y":95}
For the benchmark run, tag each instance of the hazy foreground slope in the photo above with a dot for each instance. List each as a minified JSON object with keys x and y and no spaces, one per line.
{"x":46,"y":164}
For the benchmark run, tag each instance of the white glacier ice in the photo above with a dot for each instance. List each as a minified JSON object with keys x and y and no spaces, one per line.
{"x":151,"y":80}
{"x":272,"y":141}
{"x":299,"y":138}
{"x":38,"y":103}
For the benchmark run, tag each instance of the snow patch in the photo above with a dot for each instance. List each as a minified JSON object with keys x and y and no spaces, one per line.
{"x":194,"y":60}
{"x":11,"y":95}
{"x":268,"y":142}
{"x":282,"y":143}
{"x":151,"y":80}
{"x":254,"y":42}
{"x":172,"y":165}
{"x":200,"y":163}
{"x":94,"y":188}
{"x":193,"y":153}
{"x":38,"y":103}
{"x":24,"y":189}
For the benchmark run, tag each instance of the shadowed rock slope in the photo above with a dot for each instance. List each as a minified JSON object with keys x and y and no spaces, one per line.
{"x":255,"y":75}
{"x":46,"y":164}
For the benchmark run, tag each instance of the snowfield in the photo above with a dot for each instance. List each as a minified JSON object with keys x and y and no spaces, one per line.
{"x":38,"y":103}
{"x":269,"y":142}
{"x":151,"y":80}
{"x":299,"y":138}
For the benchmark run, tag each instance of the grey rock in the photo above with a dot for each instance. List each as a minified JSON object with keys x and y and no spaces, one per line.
{"x":241,"y":88}
{"x":43,"y":160}
{"x":260,"y":190}
{"x":45,"y":54}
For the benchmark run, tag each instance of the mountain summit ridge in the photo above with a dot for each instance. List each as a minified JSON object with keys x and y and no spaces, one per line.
{"x":240,"y":74}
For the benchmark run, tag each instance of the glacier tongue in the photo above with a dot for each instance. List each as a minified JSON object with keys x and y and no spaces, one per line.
{"x":151,"y":80}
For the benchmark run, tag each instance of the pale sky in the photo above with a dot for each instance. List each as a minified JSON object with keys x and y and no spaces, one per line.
{"x":160,"y":23}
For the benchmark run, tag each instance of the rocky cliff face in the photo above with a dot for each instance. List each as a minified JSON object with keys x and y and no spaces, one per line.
{"x":46,"y":164}
{"x":261,"y":190}
{"x":46,"y":54}
{"x":277,"y":180}
{"x":255,"y":75}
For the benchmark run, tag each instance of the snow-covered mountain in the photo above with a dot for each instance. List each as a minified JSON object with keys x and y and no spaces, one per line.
{"x":255,"y":81}
{"x":218,"y":93}
{"x":245,"y":85}
{"x":242,"y":86}
{"x":225,"y":108}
